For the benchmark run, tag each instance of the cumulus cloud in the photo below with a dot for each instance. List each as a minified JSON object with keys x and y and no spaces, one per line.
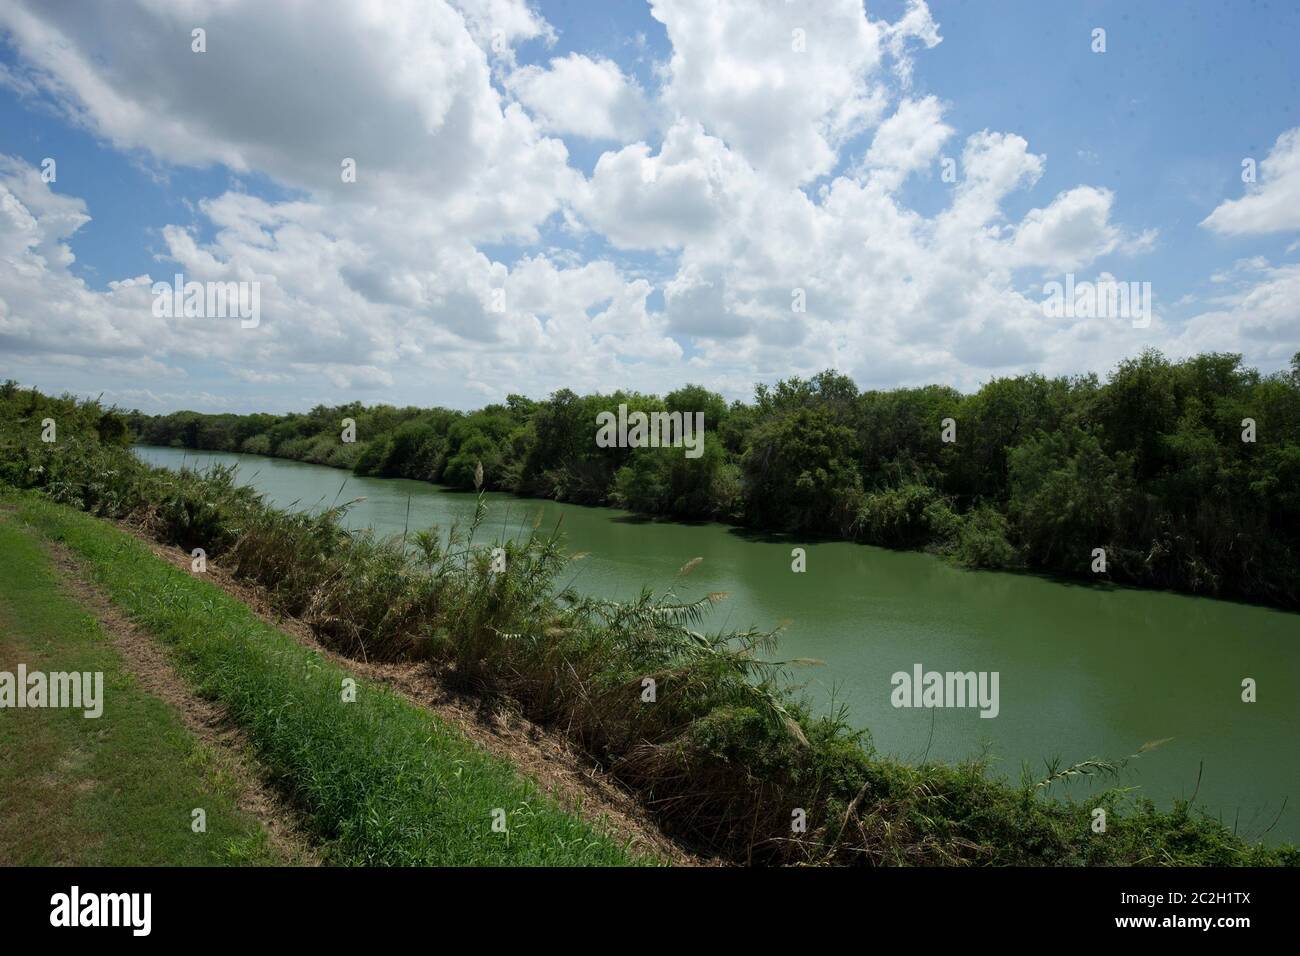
{"x":584,"y":97}
{"x":402,"y":88}
{"x":908,"y":140}
{"x":666,"y":200}
{"x":499,"y":25}
{"x":1260,"y":319}
{"x":1272,"y":204}
{"x":784,"y":85}
{"x":1073,"y":230}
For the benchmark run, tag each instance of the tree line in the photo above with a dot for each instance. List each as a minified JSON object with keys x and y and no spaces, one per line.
{"x":1186,"y":474}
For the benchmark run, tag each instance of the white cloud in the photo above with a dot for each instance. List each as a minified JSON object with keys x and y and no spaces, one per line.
{"x":908,"y":140}
{"x":783,"y":84}
{"x":583,"y":97}
{"x":915,"y":24}
{"x":405,"y":91}
{"x":499,"y":25}
{"x":1071,"y":232}
{"x":640,"y":200}
{"x":1261,"y":320}
{"x":891,"y":295}
{"x":1272,"y":204}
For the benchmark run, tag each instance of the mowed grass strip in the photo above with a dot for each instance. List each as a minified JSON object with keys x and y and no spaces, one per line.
{"x":379,"y":781}
{"x":116,"y":790}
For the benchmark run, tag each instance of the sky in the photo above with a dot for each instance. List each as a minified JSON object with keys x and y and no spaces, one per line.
{"x":637,"y":195}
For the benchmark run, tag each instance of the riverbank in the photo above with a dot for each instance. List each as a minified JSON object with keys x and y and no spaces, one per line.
{"x":371,"y":778}
{"x":698,"y":726}
{"x":1069,"y":656}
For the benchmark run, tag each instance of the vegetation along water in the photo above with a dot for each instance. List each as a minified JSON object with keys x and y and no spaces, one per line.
{"x":1085,"y":670}
{"x":1146,"y":681}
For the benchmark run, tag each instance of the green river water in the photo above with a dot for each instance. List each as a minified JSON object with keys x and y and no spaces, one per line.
{"x":1083,"y":671}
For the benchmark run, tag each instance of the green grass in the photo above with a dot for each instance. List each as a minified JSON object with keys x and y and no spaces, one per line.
{"x":114,"y":790}
{"x":377,"y":780}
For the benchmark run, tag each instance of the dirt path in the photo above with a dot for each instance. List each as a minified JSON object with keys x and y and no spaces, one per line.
{"x":230,"y":751}
{"x":558,"y":768}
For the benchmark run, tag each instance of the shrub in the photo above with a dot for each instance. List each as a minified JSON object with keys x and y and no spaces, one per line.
{"x":982,"y":541}
{"x":907,"y":515}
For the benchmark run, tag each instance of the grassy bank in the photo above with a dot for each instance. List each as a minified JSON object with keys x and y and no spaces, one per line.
{"x":115,"y":790}
{"x":722,"y":754}
{"x":379,"y":781}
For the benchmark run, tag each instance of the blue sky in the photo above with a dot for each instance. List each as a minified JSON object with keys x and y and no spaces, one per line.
{"x":505,"y":145}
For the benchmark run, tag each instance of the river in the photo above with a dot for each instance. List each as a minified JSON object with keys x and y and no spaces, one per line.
{"x":1083,"y":670}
